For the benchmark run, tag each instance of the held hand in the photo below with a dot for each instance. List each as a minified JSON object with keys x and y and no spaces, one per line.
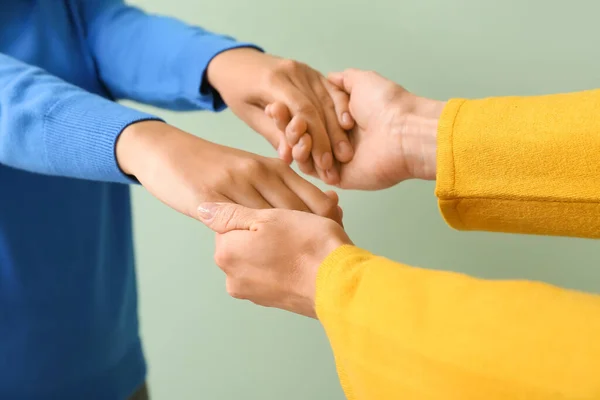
{"x":395,"y":133}
{"x":183,"y":170}
{"x":249,"y":80}
{"x":271,"y":257}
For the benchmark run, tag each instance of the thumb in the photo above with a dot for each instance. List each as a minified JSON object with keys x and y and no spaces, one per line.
{"x":225,"y":217}
{"x":344,"y":80}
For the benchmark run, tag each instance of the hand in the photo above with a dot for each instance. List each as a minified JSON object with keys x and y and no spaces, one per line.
{"x":249,"y":80}
{"x":183,"y":171}
{"x":271,"y":257}
{"x":395,"y":134}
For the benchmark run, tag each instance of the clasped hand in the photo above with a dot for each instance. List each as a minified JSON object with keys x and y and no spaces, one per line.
{"x":271,"y":257}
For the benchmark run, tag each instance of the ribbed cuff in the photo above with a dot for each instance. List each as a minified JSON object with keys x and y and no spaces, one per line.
{"x":198,"y":54}
{"x":445,"y":179}
{"x":80,"y":134}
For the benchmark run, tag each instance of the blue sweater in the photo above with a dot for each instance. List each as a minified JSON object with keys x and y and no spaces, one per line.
{"x":68,"y":302}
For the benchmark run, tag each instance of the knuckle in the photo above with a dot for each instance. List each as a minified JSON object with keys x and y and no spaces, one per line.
{"x":252,"y":166}
{"x":290,"y":66}
{"x":234,"y":289}
{"x":222,"y":258}
{"x":284,"y":67}
{"x":222,"y":179}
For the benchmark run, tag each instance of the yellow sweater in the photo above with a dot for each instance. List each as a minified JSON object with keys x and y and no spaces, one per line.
{"x":514,"y":164}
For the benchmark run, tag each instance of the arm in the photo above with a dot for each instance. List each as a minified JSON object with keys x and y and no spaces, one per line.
{"x":51,"y":127}
{"x":403,"y":331}
{"x":521,"y":164}
{"x":153,"y":59}
{"x":164,"y":62}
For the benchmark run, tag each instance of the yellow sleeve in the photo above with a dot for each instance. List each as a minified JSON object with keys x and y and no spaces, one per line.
{"x":401,"y":332}
{"x":521,"y":164}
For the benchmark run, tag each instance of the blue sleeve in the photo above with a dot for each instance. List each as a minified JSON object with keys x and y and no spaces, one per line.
{"x":153,"y":59}
{"x":51,"y":127}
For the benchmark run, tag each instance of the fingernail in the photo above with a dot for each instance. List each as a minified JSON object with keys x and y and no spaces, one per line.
{"x":344,"y":148}
{"x":346,"y":119}
{"x":207,"y":210}
{"x":326,"y":161}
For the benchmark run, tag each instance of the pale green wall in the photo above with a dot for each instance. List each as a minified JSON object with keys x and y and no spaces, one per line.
{"x":203,"y":345}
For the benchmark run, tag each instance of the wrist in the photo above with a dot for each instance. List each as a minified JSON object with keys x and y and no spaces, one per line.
{"x":417,"y":128}
{"x":140,"y":145}
{"x":219,"y":70}
{"x":125,"y":148}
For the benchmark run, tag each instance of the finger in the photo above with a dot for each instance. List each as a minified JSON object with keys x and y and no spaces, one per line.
{"x":258,"y":120}
{"x":341,"y":102}
{"x":301,"y":154}
{"x":334,"y":197}
{"x":281,"y":115}
{"x":295,"y":130}
{"x":300,"y":104}
{"x":308,"y":168}
{"x":279,"y":195}
{"x":337,"y":136}
{"x":317,"y":201}
{"x":301,"y":151}
{"x":226,"y":217}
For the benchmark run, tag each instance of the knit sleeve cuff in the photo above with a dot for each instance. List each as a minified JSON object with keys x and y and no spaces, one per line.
{"x":445,"y":180}
{"x":80,"y":134}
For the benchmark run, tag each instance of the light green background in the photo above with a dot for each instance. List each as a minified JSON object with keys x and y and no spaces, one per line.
{"x":202,"y":344}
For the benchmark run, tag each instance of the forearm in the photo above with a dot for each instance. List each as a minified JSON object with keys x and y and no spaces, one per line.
{"x":51,"y":127}
{"x":399,"y":331}
{"x":167,"y":65}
